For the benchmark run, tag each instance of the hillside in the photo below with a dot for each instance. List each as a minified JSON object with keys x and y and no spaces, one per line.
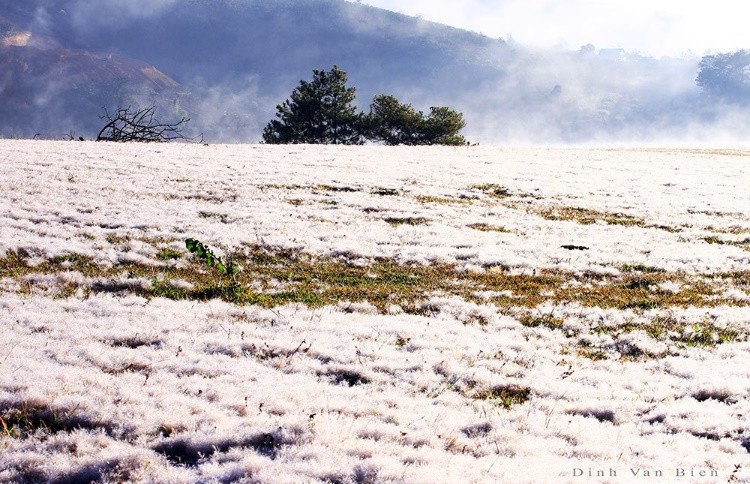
{"x":239,"y":59}
{"x":227,"y":64}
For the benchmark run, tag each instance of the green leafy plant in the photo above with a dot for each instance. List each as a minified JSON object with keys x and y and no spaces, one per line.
{"x":205,"y":254}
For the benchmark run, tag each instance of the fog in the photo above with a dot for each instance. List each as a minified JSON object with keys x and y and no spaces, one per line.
{"x":556,"y":96}
{"x":664,"y":27}
{"x":227,"y":64}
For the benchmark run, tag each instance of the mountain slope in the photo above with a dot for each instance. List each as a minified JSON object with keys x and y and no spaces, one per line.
{"x":45,"y":90}
{"x":236,"y":59}
{"x":216,"y":40}
{"x":226,"y":64}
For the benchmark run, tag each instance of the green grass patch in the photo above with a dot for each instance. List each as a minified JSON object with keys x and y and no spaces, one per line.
{"x":401,"y":341}
{"x":280,"y":186}
{"x":643,"y":304}
{"x":222,"y":217}
{"x":396,"y":221}
{"x":117,"y":239}
{"x":493,"y":190}
{"x":22,"y":419}
{"x":385,"y":192}
{"x":705,"y":335}
{"x":546,"y":320}
{"x":586,"y":216}
{"x":168,"y":253}
{"x":337,"y":188}
{"x":665,"y":329}
{"x":504,"y":395}
{"x":641,"y":268}
{"x":714,"y":240}
{"x":427,"y":199}
{"x":482,"y":227}
{"x":280,"y":276}
{"x":666,"y":228}
{"x":592,"y":354}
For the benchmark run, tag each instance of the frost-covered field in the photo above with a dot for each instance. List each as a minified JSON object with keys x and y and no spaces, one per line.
{"x":405,"y":315}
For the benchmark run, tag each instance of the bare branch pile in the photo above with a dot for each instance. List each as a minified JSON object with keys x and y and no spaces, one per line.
{"x":139,"y":125}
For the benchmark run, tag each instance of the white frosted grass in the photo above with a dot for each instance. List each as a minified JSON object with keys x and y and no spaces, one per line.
{"x":68,"y":197}
{"x":260,"y":393}
{"x":164,"y":391}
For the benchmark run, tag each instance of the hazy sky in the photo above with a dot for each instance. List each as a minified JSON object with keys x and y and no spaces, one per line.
{"x":655,"y":27}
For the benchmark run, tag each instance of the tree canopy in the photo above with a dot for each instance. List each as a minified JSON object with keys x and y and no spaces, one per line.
{"x":442,"y":125}
{"x":318,"y":112}
{"x":726,"y":75}
{"x":321,"y":112}
{"x":394,"y":123}
{"x":391,"y":122}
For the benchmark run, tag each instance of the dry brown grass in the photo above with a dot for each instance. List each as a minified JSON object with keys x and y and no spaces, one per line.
{"x":586,"y":216}
{"x":743,"y":244}
{"x":282,"y":276}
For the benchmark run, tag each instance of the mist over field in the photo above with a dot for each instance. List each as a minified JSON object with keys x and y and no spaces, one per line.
{"x":227,"y":65}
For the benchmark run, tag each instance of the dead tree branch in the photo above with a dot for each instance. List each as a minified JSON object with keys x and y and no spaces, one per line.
{"x":138,"y":125}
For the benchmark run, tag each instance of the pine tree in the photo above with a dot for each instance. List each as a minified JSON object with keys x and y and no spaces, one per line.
{"x":394,"y":123}
{"x":442,"y":125}
{"x":318,"y":112}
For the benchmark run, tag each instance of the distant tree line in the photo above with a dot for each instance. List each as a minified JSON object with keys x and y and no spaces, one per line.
{"x":321,"y":112}
{"x":726,"y":76}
